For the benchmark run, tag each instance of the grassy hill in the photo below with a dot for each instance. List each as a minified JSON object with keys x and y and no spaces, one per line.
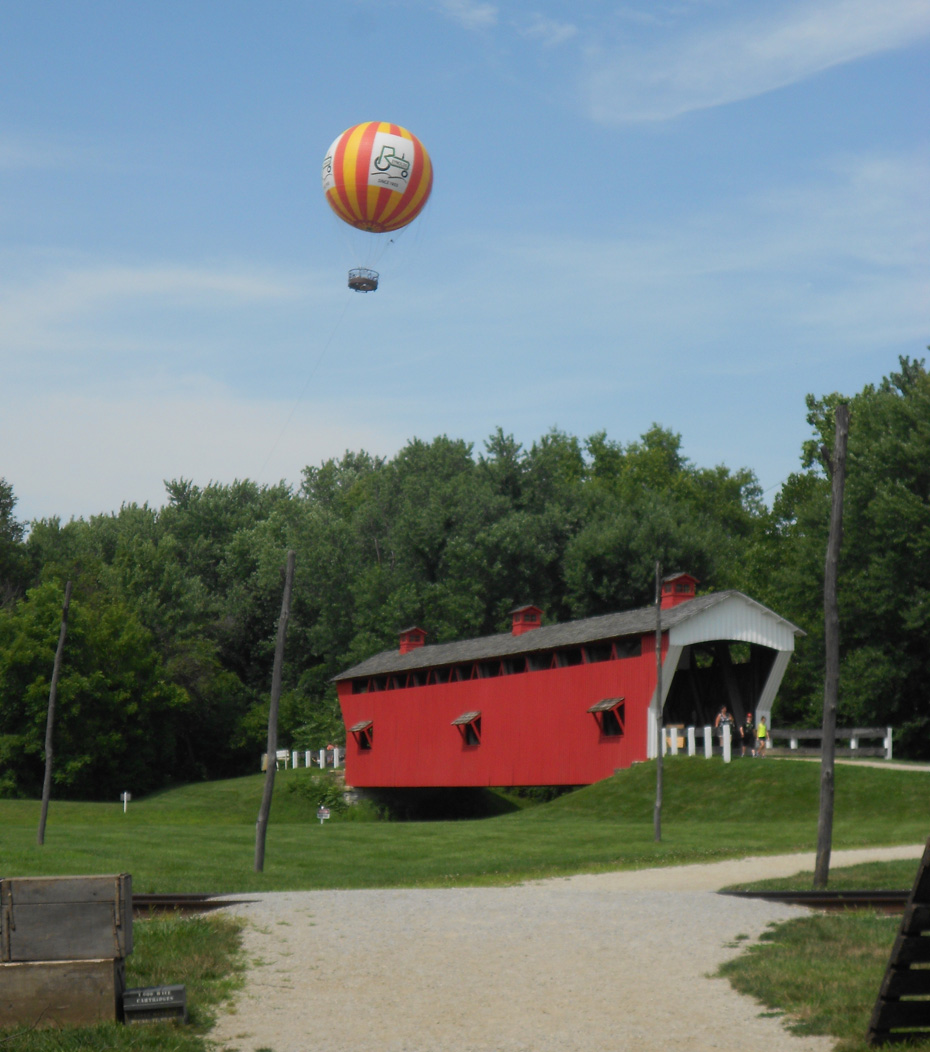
{"x":200,"y":838}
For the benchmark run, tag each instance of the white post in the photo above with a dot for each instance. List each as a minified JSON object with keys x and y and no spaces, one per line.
{"x":322,"y":759}
{"x":307,"y":758}
{"x":887,"y":743}
{"x":793,"y":743}
{"x":125,"y":797}
{"x":264,"y":761}
{"x":673,"y":740}
{"x":335,"y":756}
{"x":691,"y":746}
{"x":294,"y":755}
{"x":726,"y":743}
{"x":664,"y":740}
{"x":708,"y":743}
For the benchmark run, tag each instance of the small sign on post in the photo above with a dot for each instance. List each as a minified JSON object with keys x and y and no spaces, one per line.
{"x":125,"y":797}
{"x":322,"y":814}
{"x":155,"y":1004}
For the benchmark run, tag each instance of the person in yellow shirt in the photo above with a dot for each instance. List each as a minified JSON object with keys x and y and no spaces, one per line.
{"x":762,"y":733}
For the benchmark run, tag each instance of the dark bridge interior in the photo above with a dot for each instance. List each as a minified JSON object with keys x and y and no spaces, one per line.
{"x":713,"y":674}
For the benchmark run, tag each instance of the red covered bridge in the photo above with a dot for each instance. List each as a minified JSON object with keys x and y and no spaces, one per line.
{"x":563,"y":704}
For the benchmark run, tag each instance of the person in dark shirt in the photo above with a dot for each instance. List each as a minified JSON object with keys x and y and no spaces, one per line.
{"x":747,"y":736}
{"x":724,"y":719}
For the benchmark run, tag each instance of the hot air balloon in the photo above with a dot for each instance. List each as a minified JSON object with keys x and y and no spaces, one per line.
{"x":377,"y":178}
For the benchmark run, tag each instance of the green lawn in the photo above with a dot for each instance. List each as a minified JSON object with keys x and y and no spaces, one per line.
{"x":200,"y":838}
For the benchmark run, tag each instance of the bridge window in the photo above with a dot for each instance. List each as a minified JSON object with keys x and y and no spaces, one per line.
{"x":629,"y":646}
{"x":610,"y":716}
{"x":598,"y":652}
{"x":469,"y":725}
{"x":568,"y":657}
{"x":363,"y":733}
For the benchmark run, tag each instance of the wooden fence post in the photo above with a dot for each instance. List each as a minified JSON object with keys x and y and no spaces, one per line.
{"x":836,"y":466}
{"x":50,"y":721}
{"x":261,"y":826}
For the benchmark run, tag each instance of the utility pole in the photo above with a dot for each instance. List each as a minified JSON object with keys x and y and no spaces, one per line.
{"x":261,"y":825}
{"x":660,"y":730}
{"x":50,"y":721}
{"x":836,"y":468}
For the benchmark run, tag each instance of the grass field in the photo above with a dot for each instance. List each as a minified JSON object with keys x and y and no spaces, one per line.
{"x":823,"y":972}
{"x":200,"y":838}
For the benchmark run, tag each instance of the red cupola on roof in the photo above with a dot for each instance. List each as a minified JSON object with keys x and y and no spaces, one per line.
{"x":525,"y":619}
{"x":411,"y":639}
{"x":677,"y":588}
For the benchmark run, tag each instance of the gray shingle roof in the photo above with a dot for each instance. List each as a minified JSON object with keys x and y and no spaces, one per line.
{"x":571,"y":633}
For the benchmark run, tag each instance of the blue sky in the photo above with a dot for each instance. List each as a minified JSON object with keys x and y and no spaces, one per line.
{"x":692,"y":212}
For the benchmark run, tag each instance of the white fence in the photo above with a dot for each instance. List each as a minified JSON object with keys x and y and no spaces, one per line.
{"x":676,"y":738}
{"x":854,"y":736}
{"x":319,"y":758}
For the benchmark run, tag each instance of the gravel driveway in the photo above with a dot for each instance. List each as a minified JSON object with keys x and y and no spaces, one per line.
{"x":593,"y":963}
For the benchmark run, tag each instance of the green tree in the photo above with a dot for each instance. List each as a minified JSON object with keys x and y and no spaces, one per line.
{"x":115,"y":702}
{"x":884,"y":581}
{"x":13,"y":562}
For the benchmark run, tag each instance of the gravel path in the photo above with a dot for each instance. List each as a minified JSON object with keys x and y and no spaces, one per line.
{"x":594,"y":963}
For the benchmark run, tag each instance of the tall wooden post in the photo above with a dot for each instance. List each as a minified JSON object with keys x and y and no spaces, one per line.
{"x":50,"y":721}
{"x":261,"y":825}
{"x":836,"y":466}
{"x":660,"y":730}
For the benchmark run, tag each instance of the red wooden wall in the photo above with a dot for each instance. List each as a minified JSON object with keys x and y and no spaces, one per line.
{"x":535,"y":727}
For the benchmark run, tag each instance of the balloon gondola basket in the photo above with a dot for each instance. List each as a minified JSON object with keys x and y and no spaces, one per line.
{"x":363,"y":280}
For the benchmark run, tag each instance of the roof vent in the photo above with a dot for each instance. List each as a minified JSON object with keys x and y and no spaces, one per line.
{"x":525,"y":619}
{"x":411,"y":639}
{"x":677,"y":588}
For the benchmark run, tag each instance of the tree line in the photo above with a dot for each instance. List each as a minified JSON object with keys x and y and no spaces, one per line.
{"x":174,"y":609}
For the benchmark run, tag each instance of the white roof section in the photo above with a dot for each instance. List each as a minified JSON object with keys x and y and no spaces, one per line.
{"x":738,"y":618}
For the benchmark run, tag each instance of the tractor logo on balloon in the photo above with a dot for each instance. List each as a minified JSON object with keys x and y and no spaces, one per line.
{"x":388,"y":159}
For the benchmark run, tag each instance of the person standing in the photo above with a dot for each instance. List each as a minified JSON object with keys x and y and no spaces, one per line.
{"x":762,"y":734}
{"x":724,"y":719}
{"x":747,"y":736}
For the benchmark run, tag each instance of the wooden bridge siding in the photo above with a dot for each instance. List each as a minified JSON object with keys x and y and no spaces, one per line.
{"x":535,"y":728}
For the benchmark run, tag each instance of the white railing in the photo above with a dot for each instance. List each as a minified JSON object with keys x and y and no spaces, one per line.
{"x":675,"y":737}
{"x":854,"y":736}
{"x":311,"y":758}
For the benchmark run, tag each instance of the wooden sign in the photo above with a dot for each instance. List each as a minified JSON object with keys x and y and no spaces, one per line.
{"x":902,"y":1010}
{"x":155,"y":1004}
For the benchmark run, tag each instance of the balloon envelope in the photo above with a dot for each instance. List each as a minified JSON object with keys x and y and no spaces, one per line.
{"x":377,"y":176}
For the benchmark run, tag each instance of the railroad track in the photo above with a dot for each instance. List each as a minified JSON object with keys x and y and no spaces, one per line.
{"x":886,"y":901}
{"x":145,"y":904}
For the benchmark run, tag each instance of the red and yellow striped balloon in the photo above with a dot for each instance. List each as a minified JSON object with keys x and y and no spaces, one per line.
{"x":377,"y":176}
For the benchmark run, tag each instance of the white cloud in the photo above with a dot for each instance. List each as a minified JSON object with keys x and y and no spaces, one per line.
{"x":469,"y":14}
{"x":79,"y":455}
{"x":548,"y":31}
{"x":18,"y":154}
{"x":837,"y":261}
{"x":745,"y":57}
{"x":54,"y":306}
